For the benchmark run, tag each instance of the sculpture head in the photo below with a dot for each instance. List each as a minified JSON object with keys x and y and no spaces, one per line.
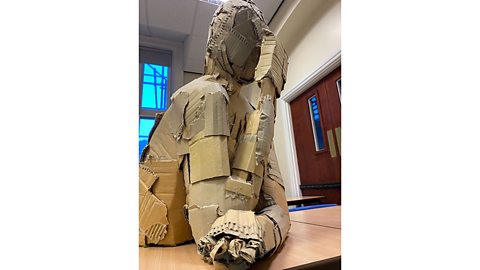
{"x":236,"y":41}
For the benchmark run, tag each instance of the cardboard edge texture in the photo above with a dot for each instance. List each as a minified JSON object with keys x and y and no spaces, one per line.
{"x":248,"y":237}
{"x":273,"y":61}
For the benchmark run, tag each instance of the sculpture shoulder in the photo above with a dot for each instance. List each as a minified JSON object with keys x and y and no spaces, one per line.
{"x":206,"y":84}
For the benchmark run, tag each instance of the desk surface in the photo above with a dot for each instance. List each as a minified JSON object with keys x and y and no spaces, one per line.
{"x":315,"y":236}
{"x":328,"y":216}
{"x":305,"y":244}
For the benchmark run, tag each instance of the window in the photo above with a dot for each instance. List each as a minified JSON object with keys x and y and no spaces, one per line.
{"x":316,"y":124}
{"x":154,"y":93}
{"x":154,"y":96}
{"x":145,"y":126}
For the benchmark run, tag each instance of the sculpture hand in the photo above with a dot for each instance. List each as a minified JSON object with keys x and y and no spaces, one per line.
{"x":235,"y":239}
{"x":230,"y":251}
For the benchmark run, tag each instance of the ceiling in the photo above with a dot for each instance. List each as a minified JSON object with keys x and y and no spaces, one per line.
{"x":187,"y":21}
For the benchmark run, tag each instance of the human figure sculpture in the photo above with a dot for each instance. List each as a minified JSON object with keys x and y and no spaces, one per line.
{"x":216,"y":142}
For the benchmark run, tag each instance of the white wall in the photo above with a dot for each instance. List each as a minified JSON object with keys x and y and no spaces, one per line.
{"x":311,"y":36}
{"x":190,"y":76}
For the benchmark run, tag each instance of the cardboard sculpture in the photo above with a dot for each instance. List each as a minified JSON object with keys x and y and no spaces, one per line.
{"x":212,"y":150}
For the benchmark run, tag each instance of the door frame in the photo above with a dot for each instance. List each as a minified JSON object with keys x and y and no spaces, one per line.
{"x":305,"y":84}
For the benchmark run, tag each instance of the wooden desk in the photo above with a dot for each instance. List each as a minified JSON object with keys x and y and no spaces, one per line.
{"x":180,"y":257}
{"x":304,"y":245}
{"x":328,"y":216}
{"x":304,"y":199}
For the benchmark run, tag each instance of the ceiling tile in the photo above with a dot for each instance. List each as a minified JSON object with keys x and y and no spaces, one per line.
{"x":142,"y":12}
{"x":174,"y":15}
{"x":203,"y":18}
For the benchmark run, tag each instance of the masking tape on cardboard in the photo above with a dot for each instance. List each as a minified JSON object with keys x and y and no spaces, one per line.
{"x":251,"y":92}
{"x":240,"y":187}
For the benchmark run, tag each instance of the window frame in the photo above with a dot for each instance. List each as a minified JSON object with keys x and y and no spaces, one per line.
{"x":150,"y":113}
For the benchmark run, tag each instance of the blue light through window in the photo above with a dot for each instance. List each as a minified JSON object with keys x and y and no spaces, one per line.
{"x":145,"y":126}
{"x":316,"y":123}
{"x":154,"y":91}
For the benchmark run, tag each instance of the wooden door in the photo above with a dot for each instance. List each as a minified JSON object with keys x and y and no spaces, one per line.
{"x":317,"y":128}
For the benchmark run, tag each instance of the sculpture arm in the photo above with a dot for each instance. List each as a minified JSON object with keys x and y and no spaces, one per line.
{"x":255,"y":167}
{"x":272,"y":209}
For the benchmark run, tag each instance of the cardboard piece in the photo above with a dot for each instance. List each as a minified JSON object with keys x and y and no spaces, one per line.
{"x":245,"y":154}
{"x":217,"y":164}
{"x":162,"y":145}
{"x":162,"y":197}
{"x":240,"y":187}
{"x":251,"y":92}
{"x":273,"y":170}
{"x":216,"y":122}
{"x":153,"y":212}
{"x":269,"y":236}
{"x":201,"y":219}
{"x":153,"y":218}
{"x":265,"y":129}
{"x":273,"y":61}
{"x":176,"y":124}
{"x":208,"y":192}
{"x":281,"y":221}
